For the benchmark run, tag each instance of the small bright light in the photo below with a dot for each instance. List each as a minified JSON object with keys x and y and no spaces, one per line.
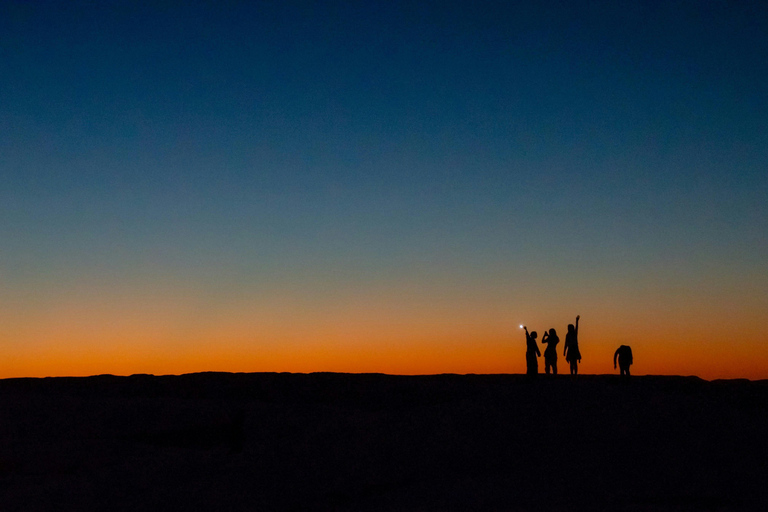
{"x":521,"y":326}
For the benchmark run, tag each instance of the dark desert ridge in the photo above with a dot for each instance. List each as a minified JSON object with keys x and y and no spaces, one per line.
{"x":325,"y":441}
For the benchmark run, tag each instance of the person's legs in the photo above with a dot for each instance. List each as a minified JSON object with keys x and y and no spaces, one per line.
{"x":554,"y":367}
{"x":574,"y":367}
{"x":533,"y":365}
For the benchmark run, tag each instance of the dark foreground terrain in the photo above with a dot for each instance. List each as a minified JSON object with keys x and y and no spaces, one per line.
{"x":219,"y":441}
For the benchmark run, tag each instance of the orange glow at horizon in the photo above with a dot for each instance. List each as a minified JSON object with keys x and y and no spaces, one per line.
{"x":388,"y":332}
{"x":459,"y":355}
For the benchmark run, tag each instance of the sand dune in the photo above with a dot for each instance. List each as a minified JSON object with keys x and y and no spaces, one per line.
{"x":220,"y":441}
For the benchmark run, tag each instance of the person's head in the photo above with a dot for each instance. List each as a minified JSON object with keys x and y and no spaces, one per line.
{"x":533,"y":334}
{"x":552,"y":332}
{"x":570,"y":327}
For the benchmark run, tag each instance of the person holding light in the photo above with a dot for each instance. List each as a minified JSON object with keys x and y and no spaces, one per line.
{"x":532,"y":352}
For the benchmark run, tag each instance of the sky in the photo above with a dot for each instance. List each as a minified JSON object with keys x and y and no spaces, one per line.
{"x":382,"y":186}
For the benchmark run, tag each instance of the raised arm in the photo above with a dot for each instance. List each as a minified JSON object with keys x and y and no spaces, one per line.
{"x":577,"y":324}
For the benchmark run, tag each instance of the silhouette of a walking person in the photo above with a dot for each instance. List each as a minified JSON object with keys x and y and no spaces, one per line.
{"x":571,"y":350}
{"x":624,"y":353}
{"x":532,"y":352}
{"x":550,"y":354}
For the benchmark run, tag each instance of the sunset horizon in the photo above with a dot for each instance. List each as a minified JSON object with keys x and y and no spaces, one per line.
{"x":382,"y":187}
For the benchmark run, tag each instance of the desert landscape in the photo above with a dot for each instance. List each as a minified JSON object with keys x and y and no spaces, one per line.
{"x":330,"y":441}
{"x":409,"y":188}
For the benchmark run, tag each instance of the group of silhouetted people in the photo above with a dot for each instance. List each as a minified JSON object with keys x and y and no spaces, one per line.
{"x":570,"y":351}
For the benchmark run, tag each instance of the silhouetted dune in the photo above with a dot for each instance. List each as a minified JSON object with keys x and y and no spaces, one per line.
{"x":325,"y":441}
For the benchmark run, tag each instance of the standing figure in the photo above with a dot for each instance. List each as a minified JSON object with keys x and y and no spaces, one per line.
{"x":550,"y":354}
{"x":571,"y":350}
{"x":531,"y":353}
{"x":624,"y":353}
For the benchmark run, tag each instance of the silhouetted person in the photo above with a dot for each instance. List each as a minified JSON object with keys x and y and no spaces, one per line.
{"x":571,"y":350}
{"x":532,"y":352}
{"x":550,"y":354}
{"x":624,"y":353}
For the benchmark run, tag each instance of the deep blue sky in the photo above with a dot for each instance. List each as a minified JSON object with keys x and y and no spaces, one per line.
{"x":227,"y":148}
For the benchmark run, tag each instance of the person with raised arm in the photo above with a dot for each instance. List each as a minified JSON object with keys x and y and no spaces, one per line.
{"x":571,"y":349}
{"x":532,"y":352}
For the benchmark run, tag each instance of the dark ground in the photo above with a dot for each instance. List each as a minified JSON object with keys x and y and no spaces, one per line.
{"x":220,"y":441}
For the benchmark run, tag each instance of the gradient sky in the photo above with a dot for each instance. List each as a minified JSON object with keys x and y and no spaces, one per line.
{"x":382,"y":186}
